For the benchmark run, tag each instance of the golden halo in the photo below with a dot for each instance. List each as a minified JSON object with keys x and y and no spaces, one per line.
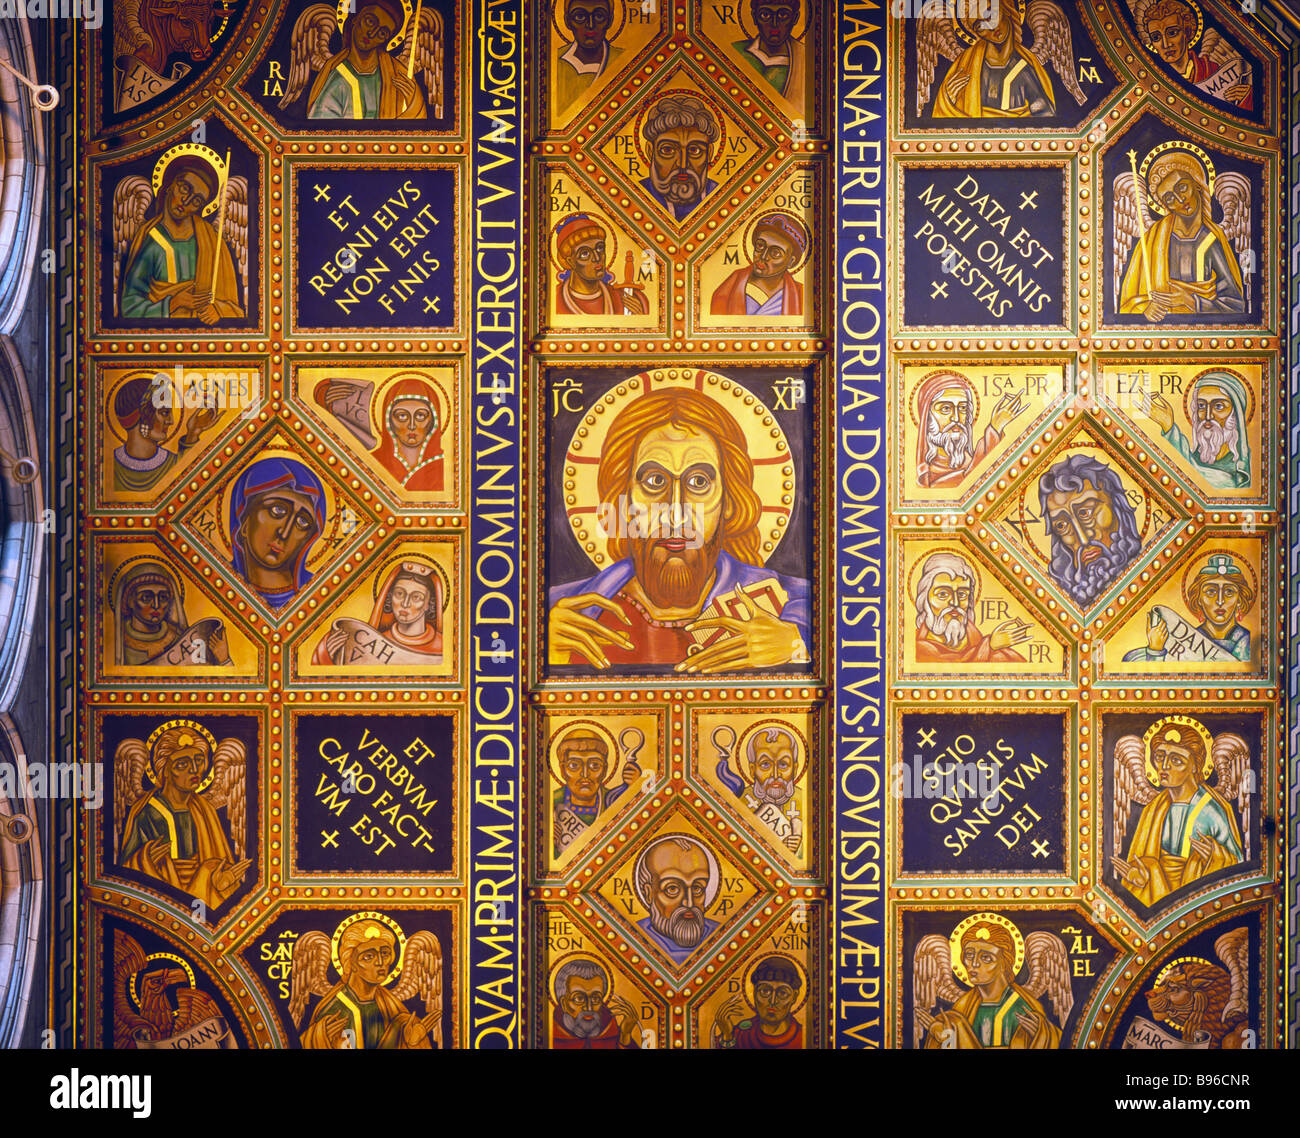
{"x":198,"y":728}
{"x":613,"y":750}
{"x":715,"y":870}
{"x":369,"y":915}
{"x":440,"y":400}
{"x":197,"y":150}
{"x":324,"y":542}
{"x":798,"y":221}
{"x":738,"y":751}
{"x":422,"y":559}
{"x":1198,"y":563}
{"x":178,"y":401}
{"x":1035,"y":529}
{"x":964,"y":379}
{"x":163,"y":568}
{"x":914,"y":574}
{"x":577,"y":954}
{"x":1181,"y":721}
{"x":1207,"y":374}
{"x":968,"y":37}
{"x":189,"y":972}
{"x":1177,"y":1025}
{"x":557,"y":20}
{"x":796,"y":31}
{"x":611,"y":234}
{"x":1200,"y":27}
{"x":1175,"y":144}
{"x":954,"y":942}
{"x":774,"y":474}
{"x":717,"y":147}
{"x":342,"y":12}
{"x":747,"y":984}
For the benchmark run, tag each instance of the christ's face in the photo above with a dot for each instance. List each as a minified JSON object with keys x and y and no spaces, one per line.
{"x":677,"y":483}
{"x":411,"y":421}
{"x":1168,"y":38}
{"x":277,"y":526}
{"x":186,"y":196}
{"x":774,"y":253}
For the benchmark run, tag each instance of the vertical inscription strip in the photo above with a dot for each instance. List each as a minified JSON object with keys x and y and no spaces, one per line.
{"x":860,"y":521}
{"x":496,"y":192}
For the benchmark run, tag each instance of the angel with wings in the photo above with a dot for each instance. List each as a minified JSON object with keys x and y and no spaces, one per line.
{"x":167,"y":792}
{"x":169,"y":261}
{"x":1174,"y":30}
{"x":987,"y":952}
{"x":992,"y":73}
{"x":368,"y":952}
{"x":364,"y":79}
{"x":1180,"y":262}
{"x":1187,"y":829}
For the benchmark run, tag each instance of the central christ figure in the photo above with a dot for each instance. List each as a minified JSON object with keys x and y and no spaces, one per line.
{"x":687,"y":589}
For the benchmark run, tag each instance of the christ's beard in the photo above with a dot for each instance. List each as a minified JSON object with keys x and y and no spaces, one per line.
{"x":950,"y":629}
{"x":685,"y":928}
{"x":584,"y":1026}
{"x":955,"y":442}
{"x":777,"y":791}
{"x":680,"y":187}
{"x":1212,"y":437}
{"x":677,"y":578}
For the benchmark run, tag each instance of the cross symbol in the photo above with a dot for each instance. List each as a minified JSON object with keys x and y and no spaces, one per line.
{"x":323,"y":193}
{"x":1040,"y":848}
{"x":940,"y":289}
{"x":431,"y":303}
{"x":1029,"y":201}
{"x":328,"y":840}
{"x":926,"y":736}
